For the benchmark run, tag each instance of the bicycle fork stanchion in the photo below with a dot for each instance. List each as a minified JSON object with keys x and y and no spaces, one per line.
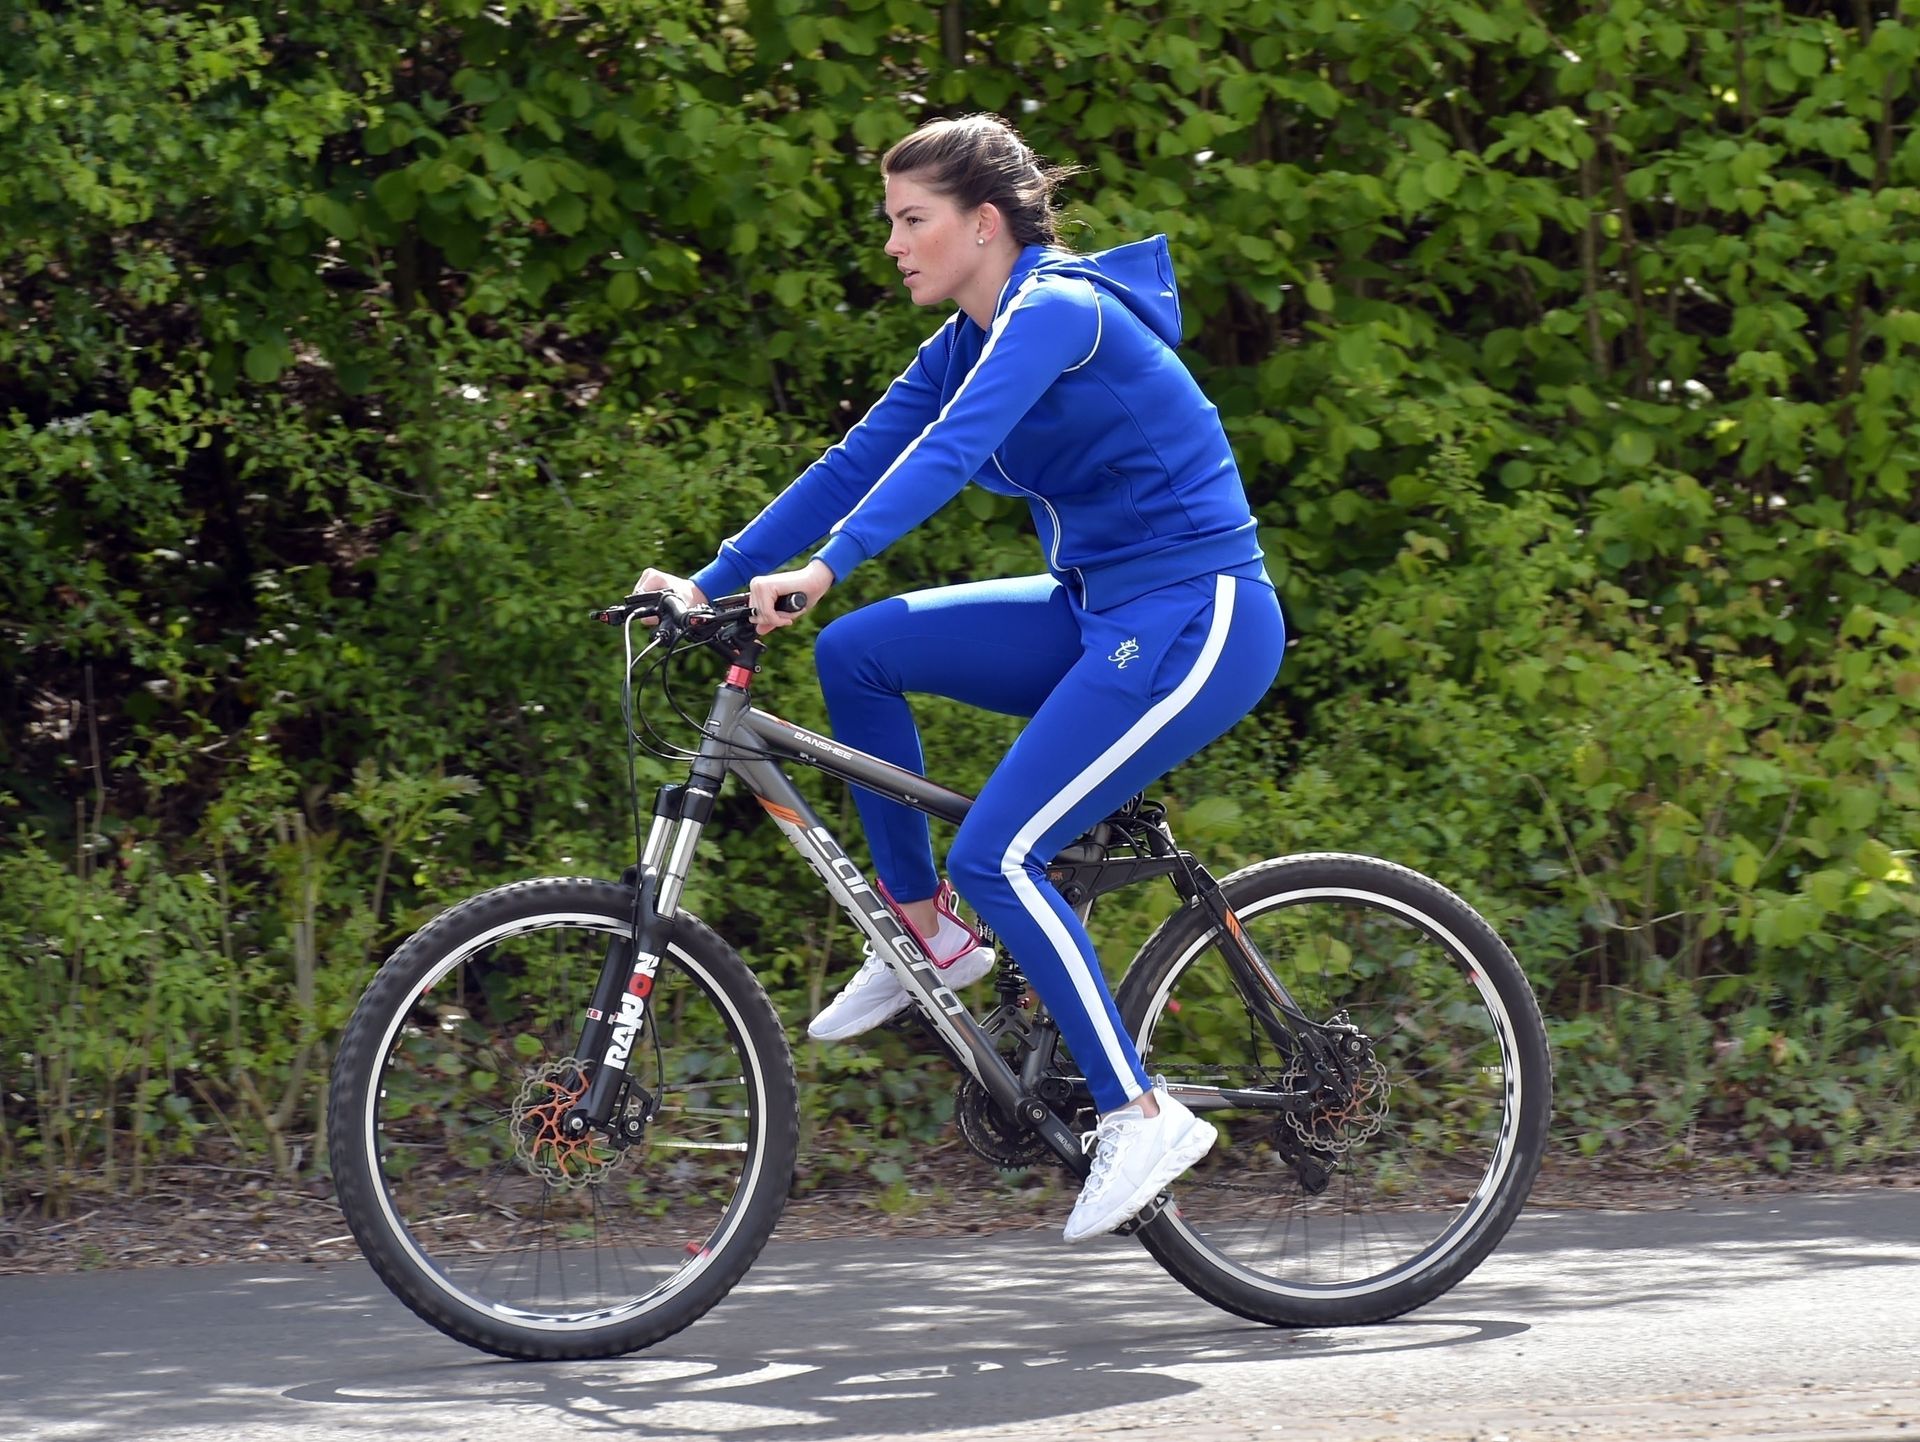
{"x":617,"y":1020}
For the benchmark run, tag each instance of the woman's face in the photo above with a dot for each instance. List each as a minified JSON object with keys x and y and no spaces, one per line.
{"x":934,"y":242}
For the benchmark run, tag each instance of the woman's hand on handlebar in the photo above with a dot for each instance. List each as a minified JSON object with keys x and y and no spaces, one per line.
{"x":652,"y":580}
{"x":812,"y":580}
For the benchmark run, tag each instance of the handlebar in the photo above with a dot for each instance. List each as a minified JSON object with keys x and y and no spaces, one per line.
{"x":676,"y":617}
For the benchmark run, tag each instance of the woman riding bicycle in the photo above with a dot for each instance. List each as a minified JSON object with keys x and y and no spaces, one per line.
{"x":1153,"y":630}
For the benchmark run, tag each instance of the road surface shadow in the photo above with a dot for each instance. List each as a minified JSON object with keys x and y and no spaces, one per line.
{"x":822,"y":1339}
{"x":844,"y":1338}
{"x":897,"y":1392}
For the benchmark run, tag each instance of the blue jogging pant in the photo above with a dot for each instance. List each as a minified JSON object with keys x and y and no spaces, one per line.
{"x":1118,"y":698}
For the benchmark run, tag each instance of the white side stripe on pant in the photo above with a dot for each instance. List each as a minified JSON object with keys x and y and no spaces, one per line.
{"x":1013,"y":863}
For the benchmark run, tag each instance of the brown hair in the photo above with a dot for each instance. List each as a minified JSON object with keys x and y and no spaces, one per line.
{"x":981,"y":158}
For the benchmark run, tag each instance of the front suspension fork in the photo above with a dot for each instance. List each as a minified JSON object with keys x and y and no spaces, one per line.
{"x":616,"y":1021}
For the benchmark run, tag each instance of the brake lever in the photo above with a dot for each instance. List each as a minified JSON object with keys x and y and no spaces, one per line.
{"x":626,"y":606}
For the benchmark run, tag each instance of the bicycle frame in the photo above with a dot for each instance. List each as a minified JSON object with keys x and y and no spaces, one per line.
{"x":742,"y":740}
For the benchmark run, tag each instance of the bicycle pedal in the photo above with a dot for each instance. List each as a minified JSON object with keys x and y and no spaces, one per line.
{"x":1145,"y":1215}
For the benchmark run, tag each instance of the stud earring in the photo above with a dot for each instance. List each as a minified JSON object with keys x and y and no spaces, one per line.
{"x":979,"y":240}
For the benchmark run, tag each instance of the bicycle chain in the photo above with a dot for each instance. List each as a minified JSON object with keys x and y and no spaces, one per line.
{"x":1330,"y":1134}
{"x":1374,"y":1085}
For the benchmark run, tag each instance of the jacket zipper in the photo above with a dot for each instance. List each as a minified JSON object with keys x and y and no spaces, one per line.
{"x":1053,"y":551}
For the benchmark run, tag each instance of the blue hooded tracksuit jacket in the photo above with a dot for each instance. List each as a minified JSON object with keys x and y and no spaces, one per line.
{"x":1153,"y":630}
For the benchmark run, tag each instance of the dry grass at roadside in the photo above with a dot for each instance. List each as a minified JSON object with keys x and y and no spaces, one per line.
{"x":198,"y":1216}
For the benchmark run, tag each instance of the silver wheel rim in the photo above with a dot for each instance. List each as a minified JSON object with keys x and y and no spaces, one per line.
{"x":1452,"y":1236}
{"x":590,"y":1319}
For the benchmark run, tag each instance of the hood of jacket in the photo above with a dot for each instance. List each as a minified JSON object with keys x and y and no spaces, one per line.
{"x":1139,"y":275}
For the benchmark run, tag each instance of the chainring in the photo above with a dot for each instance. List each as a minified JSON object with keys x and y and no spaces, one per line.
{"x":1006,"y":1144}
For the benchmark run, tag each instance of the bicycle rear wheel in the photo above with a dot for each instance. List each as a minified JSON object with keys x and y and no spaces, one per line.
{"x":1424,"y":1169}
{"x":448,"y":1156}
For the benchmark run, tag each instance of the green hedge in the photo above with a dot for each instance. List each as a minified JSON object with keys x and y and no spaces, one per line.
{"x":347,"y":354}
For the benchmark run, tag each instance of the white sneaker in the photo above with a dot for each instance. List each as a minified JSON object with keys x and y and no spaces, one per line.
{"x":876,"y":991}
{"x":1134,"y":1156}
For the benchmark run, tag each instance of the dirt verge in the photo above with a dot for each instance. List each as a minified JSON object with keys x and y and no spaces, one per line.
{"x":203,"y":1214}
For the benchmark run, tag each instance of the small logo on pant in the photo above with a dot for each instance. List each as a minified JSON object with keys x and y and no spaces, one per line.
{"x":1126,"y":651}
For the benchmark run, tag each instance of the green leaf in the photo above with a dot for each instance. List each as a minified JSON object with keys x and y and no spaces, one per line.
{"x":482,"y":200}
{"x":1441,"y":178}
{"x":1807,"y":57}
{"x":1357,"y":349}
{"x":395,"y":194}
{"x":1589,"y":763}
{"x":699,"y":123}
{"x":1477,"y":24}
{"x":623,"y":290}
{"x":538,"y":180}
{"x":1211,"y":815}
{"x":566,"y":212}
{"x":1327,"y":956}
{"x":477,"y":87}
{"x":336,"y":217}
{"x":875,"y":128}
{"x":1746,"y":870}
{"x":1256,"y":248}
{"x":1876,"y":860}
{"x":1633,"y":448}
{"x":1410,"y":191}
{"x":1855,"y":807}
{"x":1828,"y":889}
{"x":1860,"y":623}
{"x":266,"y":359}
{"x":1501,"y":348}
{"x":1901,"y":325}
{"x":541,"y":119}
{"x":859,"y":37}
{"x":1242,"y":96}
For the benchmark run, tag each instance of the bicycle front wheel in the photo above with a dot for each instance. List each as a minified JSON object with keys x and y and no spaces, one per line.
{"x":457,"y":1179}
{"x":1314,"y":1214}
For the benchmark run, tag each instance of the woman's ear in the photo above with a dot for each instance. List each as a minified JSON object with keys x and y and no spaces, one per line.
{"x":988,"y":222}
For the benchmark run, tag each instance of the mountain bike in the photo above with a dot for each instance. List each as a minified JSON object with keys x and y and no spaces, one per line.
{"x":563,"y":1116}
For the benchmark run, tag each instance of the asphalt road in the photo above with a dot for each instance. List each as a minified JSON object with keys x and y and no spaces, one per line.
{"x":1780,"y":1317}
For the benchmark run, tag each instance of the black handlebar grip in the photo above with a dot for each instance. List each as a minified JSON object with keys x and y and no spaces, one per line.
{"x":792,"y":603}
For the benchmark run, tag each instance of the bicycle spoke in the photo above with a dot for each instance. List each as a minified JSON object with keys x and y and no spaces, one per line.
{"x":559,"y":1226}
{"x":1403,"y":1156}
